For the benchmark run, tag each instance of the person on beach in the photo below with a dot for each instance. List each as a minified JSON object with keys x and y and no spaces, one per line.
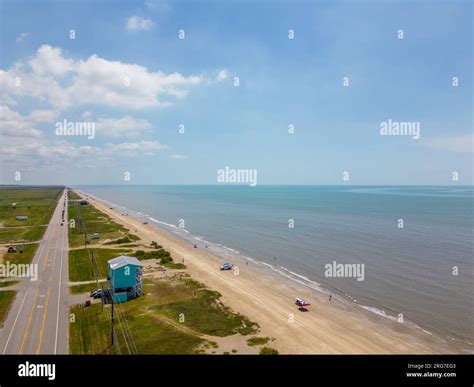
{"x":330,"y":297}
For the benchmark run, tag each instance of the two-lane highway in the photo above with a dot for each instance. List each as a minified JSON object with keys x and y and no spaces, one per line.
{"x":38,"y":319}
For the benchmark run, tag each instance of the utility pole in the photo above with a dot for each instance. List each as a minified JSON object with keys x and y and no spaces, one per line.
{"x":112,"y":326}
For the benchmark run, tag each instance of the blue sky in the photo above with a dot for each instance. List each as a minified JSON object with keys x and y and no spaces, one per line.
{"x":191,"y":81}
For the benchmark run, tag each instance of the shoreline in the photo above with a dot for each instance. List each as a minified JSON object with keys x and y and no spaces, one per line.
{"x":267,"y":297}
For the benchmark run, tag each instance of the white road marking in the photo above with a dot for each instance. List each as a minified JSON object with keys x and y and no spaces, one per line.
{"x":59,"y":293}
{"x":14,"y":323}
{"x":39,"y":253}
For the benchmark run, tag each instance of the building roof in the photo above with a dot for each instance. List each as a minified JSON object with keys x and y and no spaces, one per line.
{"x":123,"y":260}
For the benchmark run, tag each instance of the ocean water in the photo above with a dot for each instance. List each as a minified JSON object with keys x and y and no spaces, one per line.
{"x":407,"y":270}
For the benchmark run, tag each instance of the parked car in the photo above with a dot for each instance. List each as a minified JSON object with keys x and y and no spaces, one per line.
{"x":226,"y":266}
{"x":12,"y":249}
{"x":102,"y":293}
{"x":96,"y":235}
{"x":97,"y":293}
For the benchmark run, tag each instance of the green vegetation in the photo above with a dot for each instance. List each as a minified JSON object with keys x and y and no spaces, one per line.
{"x":71,"y":195}
{"x":90,"y":220}
{"x":6,"y":299}
{"x":81,"y":268}
{"x":257,"y":341}
{"x":161,"y":254}
{"x":5,"y":284}
{"x":127,"y":239}
{"x":173,"y":265}
{"x":156,"y":245}
{"x":154,"y":320}
{"x":21,"y":234}
{"x":90,"y":334}
{"x":21,"y":258}
{"x":38,"y":203}
{"x":202,"y":310}
{"x":83,"y":288}
{"x":268,"y":351}
{"x":89,"y":331}
{"x":164,"y":255}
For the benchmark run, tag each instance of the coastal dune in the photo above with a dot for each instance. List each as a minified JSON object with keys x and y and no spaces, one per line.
{"x":329,"y":327}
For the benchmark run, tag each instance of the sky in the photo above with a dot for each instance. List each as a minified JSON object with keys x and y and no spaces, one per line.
{"x":333,"y":71}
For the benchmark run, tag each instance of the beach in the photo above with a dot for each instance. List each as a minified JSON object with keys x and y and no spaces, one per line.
{"x":329,"y":327}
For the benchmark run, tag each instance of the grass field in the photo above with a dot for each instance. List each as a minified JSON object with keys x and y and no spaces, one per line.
{"x":21,"y":258}
{"x":84,"y":288}
{"x":90,"y":220}
{"x":71,"y":195}
{"x":6,"y":299}
{"x":4,"y":284}
{"x":176,"y":266}
{"x":127,"y":239}
{"x":21,"y":234}
{"x":170,"y":318}
{"x":201,"y":309}
{"x":38,"y":203}
{"x":90,"y":334}
{"x":81,"y":268}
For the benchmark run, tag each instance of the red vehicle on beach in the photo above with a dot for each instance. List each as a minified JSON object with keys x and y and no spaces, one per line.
{"x":302,"y":304}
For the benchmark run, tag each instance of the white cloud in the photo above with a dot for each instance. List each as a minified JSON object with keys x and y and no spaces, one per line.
{"x":38,"y":152}
{"x":134,"y":148}
{"x":7,"y":100}
{"x":138,"y":23}
{"x":21,"y":37}
{"x":50,"y":60}
{"x":87,"y":115}
{"x":17,"y":82}
{"x":463,"y":143}
{"x":157,"y":5}
{"x":222,"y":75}
{"x":179,"y":157}
{"x":14,"y":124}
{"x":56,"y":82}
{"x":43,"y":115}
{"x":63,"y":82}
{"x":26,"y":151}
{"x":126,"y":126}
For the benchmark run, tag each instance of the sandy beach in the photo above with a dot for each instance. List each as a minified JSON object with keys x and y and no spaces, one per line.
{"x":329,"y":327}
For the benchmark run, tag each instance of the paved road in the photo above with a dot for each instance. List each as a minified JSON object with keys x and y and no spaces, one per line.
{"x":38,"y":320}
